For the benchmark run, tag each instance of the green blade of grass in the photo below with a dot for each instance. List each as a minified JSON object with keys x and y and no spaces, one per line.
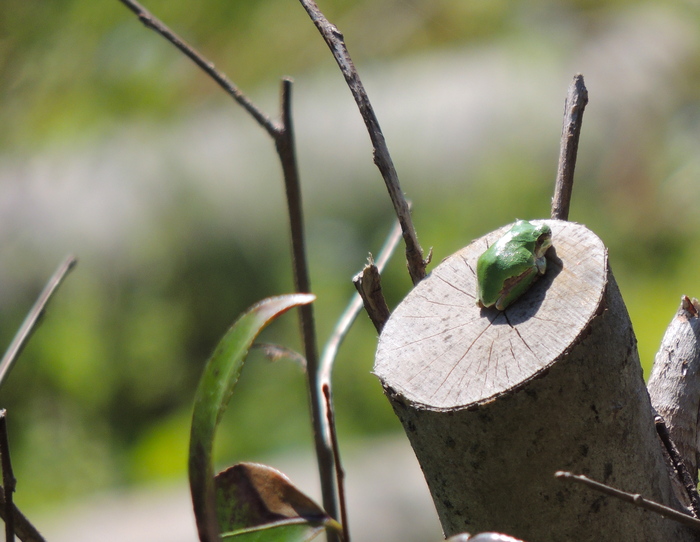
{"x":213,"y":393}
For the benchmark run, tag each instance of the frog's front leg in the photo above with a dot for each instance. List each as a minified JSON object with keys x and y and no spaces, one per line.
{"x":541,"y":264}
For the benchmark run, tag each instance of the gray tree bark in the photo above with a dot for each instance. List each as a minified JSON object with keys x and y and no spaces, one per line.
{"x":494,"y":403}
{"x":674,"y":383}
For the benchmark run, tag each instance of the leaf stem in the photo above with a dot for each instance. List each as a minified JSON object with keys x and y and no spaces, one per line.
{"x":325,"y":369}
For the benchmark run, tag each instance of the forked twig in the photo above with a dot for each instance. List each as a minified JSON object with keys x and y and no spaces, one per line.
{"x":335,"y":41}
{"x":33,"y":317}
{"x":575,"y":104}
{"x":632,"y":498}
{"x":283,"y":136}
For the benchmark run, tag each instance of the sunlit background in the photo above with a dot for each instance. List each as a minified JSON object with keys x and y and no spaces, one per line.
{"x":115,"y":148}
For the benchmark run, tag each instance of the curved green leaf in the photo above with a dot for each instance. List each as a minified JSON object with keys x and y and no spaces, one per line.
{"x":213,"y":393}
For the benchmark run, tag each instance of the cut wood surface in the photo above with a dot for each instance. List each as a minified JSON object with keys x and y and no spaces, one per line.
{"x":440,"y":349}
{"x":494,"y":403}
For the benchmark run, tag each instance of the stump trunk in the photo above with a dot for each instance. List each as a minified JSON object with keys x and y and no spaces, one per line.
{"x":494,"y":403}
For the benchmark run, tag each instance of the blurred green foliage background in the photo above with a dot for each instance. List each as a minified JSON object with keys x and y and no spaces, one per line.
{"x":116,"y":148}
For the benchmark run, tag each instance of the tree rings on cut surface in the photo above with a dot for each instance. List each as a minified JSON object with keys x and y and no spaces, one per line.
{"x":441,"y":350}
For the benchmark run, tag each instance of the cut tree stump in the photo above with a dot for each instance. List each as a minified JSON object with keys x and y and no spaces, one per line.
{"x":494,"y":403}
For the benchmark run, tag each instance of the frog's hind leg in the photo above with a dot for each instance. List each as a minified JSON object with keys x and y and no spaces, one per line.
{"x":515,"y":287}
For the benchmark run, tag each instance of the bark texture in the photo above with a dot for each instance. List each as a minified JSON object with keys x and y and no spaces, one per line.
{"x":494,"y":403}
{"x":674,"y":383}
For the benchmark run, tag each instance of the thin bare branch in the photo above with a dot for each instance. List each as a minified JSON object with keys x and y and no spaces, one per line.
{"x":8,"y":478}
{"x":334,"y":39}
{"x":23,"y":528}
{"x":33,"y":317}
{"x":632,"y":498}
{"x":575,"y":104}
{"x":15,"y":522}
{"x":678,"y":464}
{"x":152,"y":22}
{"x":284,"y":143}
{"x":339,"y":472}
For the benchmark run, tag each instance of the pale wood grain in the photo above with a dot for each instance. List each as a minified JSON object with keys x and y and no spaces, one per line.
{"x":441,"y":350}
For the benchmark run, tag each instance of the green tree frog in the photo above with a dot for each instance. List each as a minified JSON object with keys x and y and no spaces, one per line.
{"x":509,"y":267}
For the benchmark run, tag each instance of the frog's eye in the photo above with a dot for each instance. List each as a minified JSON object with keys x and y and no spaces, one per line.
{"x":545,"y":239}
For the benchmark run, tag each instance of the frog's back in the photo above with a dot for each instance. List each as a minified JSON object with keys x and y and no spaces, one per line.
{"x":495,"y":266}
